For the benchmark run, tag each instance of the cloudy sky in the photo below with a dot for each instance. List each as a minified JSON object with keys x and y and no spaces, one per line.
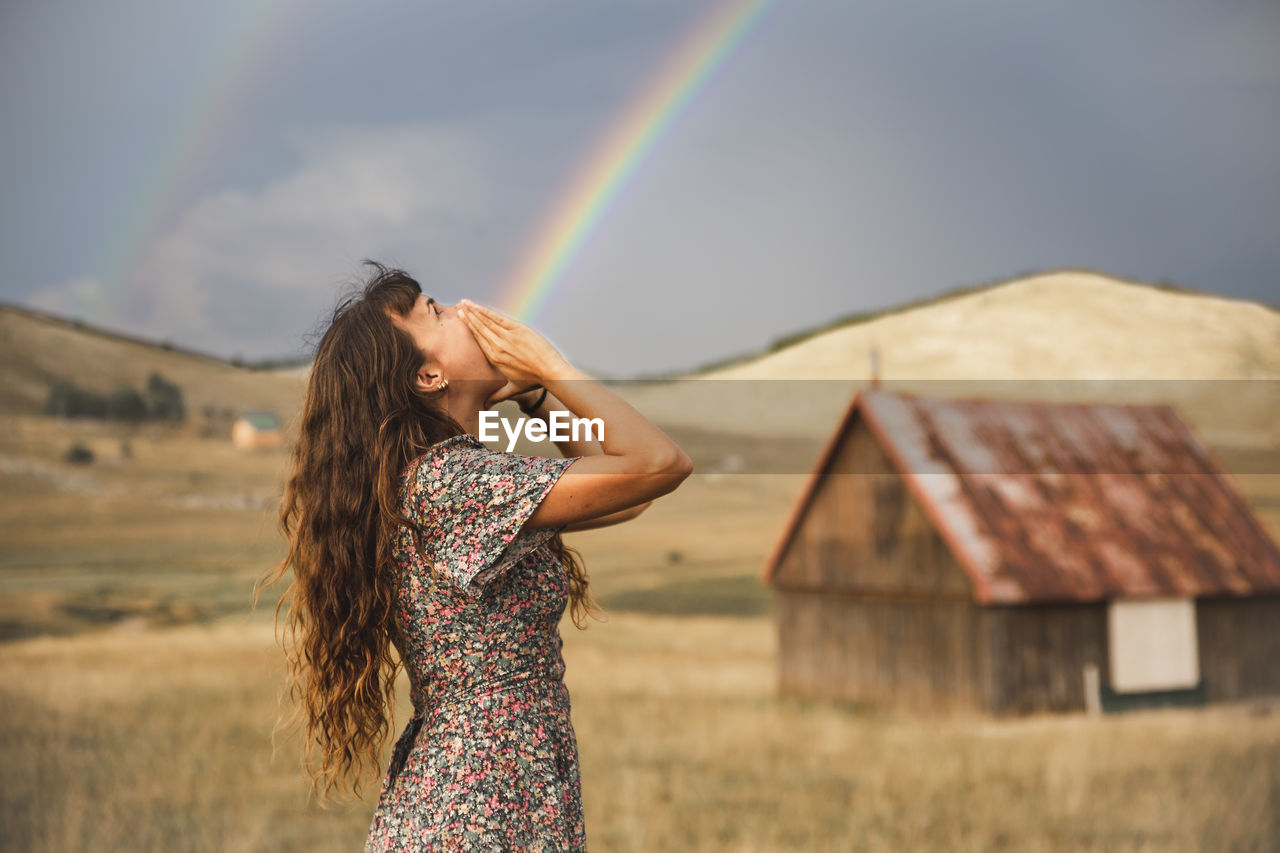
{"x":212,"y":173}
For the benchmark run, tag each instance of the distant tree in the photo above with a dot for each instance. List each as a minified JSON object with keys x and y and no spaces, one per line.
{"x":68,"y":400}
{"x":59,"y":400}
{"x":164,"y":400}
{"x":126,"y":404}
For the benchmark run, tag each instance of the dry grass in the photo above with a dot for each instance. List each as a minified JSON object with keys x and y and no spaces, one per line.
{"x":152,"y":741}
{"x":178,"y":531}
{"x":685,"y":746}
{"x":160,"y":740}
{"x":138,"y":732}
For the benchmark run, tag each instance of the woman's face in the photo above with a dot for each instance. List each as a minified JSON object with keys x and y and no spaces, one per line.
{"x":447,"y":344}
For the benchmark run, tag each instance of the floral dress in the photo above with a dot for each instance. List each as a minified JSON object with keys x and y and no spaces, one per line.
{"x":489,"y":760}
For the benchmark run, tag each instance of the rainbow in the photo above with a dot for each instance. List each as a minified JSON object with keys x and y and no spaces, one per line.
{"x":624,"y":148}
{"x":184,"y":147}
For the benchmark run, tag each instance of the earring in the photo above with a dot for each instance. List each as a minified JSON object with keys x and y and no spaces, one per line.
{"x":444,"y":385}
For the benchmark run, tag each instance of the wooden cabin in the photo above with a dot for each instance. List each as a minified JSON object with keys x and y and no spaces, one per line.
{"x":256,"y":431}
{"x":1013,"y":557}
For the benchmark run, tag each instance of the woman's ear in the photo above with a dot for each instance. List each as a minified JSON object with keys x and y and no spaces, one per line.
{"x":426,"y":382}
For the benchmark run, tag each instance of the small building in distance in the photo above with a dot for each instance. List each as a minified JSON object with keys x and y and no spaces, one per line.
{"x":256,"y":431}
{"x":1014,"y":557}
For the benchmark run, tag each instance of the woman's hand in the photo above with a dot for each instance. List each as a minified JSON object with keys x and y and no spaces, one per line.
{"x":522,"y":355}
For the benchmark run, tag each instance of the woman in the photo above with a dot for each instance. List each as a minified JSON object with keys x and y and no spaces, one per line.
{"x":404,"y":530}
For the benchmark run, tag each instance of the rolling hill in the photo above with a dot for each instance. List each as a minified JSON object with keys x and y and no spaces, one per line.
{"x":1064,"y":335}
{"x":1065,"y":325}
{"x":37,"y":350}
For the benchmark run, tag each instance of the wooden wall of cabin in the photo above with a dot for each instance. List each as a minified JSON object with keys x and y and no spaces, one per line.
{"x":864,"y":532}
{"x":914,"y":654}
{"x":872,"y":605}
{"x":1037,"y":654}
{"x":1239,"y":640}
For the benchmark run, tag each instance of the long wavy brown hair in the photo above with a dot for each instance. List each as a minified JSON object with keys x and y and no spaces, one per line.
{"x":362,"y":422}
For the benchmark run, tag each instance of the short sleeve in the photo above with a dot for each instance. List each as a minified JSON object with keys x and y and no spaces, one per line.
{"x":473,"y":502}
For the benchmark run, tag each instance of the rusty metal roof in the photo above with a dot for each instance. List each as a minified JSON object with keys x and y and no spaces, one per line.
{"x":1065,"y":501}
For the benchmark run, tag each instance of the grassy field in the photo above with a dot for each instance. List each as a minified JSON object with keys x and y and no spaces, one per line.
{"x":161,"y":740}
{"x":138,"y":691}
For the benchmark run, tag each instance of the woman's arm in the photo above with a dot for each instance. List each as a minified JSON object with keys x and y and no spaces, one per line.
{"x":548,"y":403}
{"x":608,"y":520}
{"x":639,"y":462}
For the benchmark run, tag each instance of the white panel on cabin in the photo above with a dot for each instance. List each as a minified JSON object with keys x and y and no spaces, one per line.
{"x":1153,"y":644}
